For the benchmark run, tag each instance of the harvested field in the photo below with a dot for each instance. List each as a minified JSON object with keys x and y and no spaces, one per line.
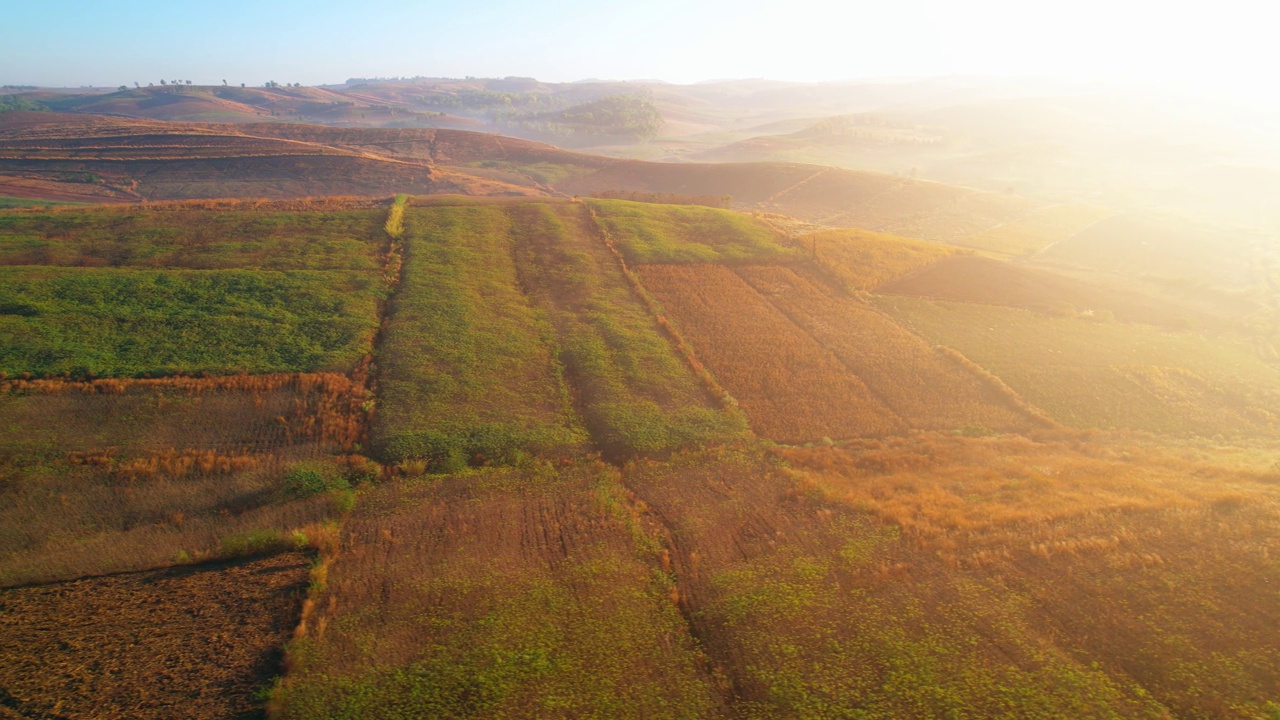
{"x":971,"y":278}
{"x":862,"y":260}
{"x":1037,"y":230}
{"x":466,"y":367}
{"x":1153,"y":562}
{"x":116,"y":475}
{"x":1161,"y":249}
{"x":791,"y":388}
{"x":1091,"y":374}
{"x":634,"y":392}
{"x":497,"y":593}
{"x":922,"y":386}
{"x":811,"y":609}
{"x":194,"y":642}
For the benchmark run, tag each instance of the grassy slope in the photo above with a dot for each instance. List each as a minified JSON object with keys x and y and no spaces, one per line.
{"x":635,"y":393}
{"x":497,"y":594}
{"x":127,"y":322}
{"x":467,"y":364}
{"x":648,"y":233}
{"x":1106,"y":374}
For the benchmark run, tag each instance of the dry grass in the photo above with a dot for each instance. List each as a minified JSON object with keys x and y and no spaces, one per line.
{"x":1031,"y":233}
{"x":791,"y":388}
{"x":496,"y":593}
{"x":926,"y":388}
{"x":861,"y":260}
{"x":114,"y":475}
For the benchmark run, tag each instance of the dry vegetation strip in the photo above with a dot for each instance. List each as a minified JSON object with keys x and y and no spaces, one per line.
{"x":634,"y":392}
{"x":970,"y":278}
{"x":118,"y":475}
{"x":1087,"y":373}
{"x":924,"y":387}
{"x":1155,"y":562}
{"x":861,"y":259}
{"x":467,"y":370}
{"x":189,"y":642}
{"x":813,"y":610}
{"x":497,"y":593}
{"x":791,"y":388}
{"x":1037,"y":230}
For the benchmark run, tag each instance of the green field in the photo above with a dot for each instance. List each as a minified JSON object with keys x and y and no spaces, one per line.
{"x":648,"y":233}
{"x":1093,"y":374}
{"x":468,"y":369}
{"x":635,"y":393}
{"x":196,"y":239}
{"x":127,"y":322}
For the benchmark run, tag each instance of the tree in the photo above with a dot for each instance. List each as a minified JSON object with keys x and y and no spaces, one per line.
{"x":122,"y":88}
{"x":224,"y":82}
{"x":162,"y":82}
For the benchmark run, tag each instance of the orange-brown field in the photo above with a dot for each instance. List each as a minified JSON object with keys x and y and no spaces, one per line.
{"x":791,"y":388}
{"x":185,"y":642}
{"x":927,"y":389}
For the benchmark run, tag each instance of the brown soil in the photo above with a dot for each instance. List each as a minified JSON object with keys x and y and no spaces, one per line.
{"x":191,"y":642}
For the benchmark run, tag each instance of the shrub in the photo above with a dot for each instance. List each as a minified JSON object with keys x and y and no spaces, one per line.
{"x":311,"y":478}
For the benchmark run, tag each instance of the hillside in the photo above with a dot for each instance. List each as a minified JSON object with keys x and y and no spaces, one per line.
{"x":538,"y":456}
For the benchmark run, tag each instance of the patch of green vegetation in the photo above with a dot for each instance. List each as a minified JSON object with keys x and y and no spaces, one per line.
{"x":125,"y":322}
{"x":305,"y":479}
{"x":635,"y":393}
{"x":468,"y":371}
{"x":17,"y":202}
{"x":16,"y":103}
{"x":197,"y":239}
{"x":648,"y":233}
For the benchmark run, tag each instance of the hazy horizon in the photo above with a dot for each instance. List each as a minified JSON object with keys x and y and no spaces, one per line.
{"x":73,"y":44}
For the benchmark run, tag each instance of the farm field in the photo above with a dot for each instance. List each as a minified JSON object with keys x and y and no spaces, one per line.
{"x":635,"y":394}
{"x":468,"y":368}
{"x":861,"y":260}
{"x":179,"y":236}
{"x":921,"y":385}
{"x":130,"y":322}
{"x":1152,"y":562}
{"x":510,"y":593}
{"x":185,"y":642}
{"x":1162,"y":249}
{"x":1036,"y":230}
{"x":791,"y":388}
{"x":1090,"y":374}
{"x":975,"y":279}
{"x":614,"y":459}
{"x":128,"y":475}
{"x":648,"y":233}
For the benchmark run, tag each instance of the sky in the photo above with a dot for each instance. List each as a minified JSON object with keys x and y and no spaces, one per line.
{"x":1196,"y":47}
